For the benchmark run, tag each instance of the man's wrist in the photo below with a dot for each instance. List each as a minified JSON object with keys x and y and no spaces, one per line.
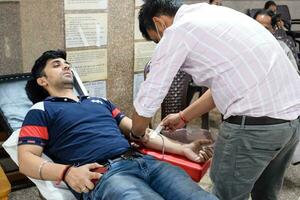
{"x":64,"y":174}
{"x":182,"y":117}
{"x":136,"y":137}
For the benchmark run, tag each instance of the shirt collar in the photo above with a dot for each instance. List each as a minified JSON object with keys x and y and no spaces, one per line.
{"x":65,"y":99}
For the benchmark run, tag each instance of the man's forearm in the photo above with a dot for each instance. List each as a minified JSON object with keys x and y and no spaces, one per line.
{"x":201,"y":106}
{"x":169,"y":145}
{"x":139,"y":124}
{"x":32,"y":165}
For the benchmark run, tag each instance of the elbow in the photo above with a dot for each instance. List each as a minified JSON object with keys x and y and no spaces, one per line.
{"x":21,"y":162}
{"x":21,"y":167}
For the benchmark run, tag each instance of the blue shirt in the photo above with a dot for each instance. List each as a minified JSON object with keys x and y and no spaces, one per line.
{"x":75,"y":132}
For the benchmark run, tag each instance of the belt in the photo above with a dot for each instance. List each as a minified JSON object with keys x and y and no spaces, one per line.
{"x":129,"y":154}
{"x":254,"y":120}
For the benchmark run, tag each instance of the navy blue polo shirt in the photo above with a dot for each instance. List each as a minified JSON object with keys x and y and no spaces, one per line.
{"x":74,"y":132}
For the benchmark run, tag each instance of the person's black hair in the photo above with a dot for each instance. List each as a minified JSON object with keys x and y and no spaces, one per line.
{"x":152,"y":8}
{"x":268,"y":4}
{"x":210,"y":1}
{"x":34,"y":91}
{"x":274,"y":17}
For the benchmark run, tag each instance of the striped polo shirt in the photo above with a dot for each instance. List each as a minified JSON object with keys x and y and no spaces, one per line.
{"x":74,"y":132}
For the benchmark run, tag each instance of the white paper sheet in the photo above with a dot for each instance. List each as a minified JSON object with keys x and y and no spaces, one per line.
{"x":91,"y":65}
{"x":85,"y":4}
{"x":139,"y":3}
{"x":83,"y":30}
{"x":137,"y":33}
{"x":137,"y":81}
{"x":142,"y":54}
{"x":96,"y":88}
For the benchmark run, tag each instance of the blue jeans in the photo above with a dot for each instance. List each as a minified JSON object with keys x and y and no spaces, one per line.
{"x":146,"y":178}
{"x":251,"y":160}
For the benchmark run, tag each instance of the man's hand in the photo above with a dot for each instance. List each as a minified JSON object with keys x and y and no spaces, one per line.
{"x":198,"y":151}
{"x":79,"y":178}
{"x":136,"y":142}
{"x":173,"y":122}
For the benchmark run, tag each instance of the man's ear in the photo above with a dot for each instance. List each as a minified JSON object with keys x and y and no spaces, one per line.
{"x":161,"y":22}
{"x":157,"y":20}
{"x":42,"y":81}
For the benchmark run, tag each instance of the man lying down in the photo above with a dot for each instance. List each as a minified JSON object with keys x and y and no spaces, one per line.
{"x":82,"y":134}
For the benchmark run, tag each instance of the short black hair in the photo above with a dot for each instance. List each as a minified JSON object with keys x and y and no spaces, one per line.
{"x":275,"y":17}
{"x":153,"y":8}
{"x":34,"y":91}
{"x":268,"y":4}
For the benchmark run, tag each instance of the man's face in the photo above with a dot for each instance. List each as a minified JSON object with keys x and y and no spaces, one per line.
{"x":154,"y":36}
{"x":266,"y":21}
{"x":57,"y":73}
{"x":161,"y":23}
{"x":273,"y":8}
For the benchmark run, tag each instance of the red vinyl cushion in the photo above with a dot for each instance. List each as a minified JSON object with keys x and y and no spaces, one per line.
{"x":195,"y":170}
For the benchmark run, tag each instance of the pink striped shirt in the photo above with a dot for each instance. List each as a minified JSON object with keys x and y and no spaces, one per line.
{"x":236,"y":57}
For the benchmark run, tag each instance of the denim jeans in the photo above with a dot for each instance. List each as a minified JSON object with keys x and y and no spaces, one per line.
{"x":252,"y":159}
{"x":145,"y":178}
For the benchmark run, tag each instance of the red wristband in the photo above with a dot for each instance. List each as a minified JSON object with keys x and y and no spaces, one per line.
{"x":183,"y":118}
{"x":64,"y":174}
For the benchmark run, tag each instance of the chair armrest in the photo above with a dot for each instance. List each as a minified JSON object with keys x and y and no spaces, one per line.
{"x":5,"y":185}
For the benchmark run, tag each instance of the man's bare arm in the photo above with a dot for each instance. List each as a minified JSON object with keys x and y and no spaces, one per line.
{"x":31,"y":164}
{"x":140,"y":124}
{"x":125,"y":126}
{"x":201,"y":106}
{"x":30,"y":160}
{"x":169,"y":145}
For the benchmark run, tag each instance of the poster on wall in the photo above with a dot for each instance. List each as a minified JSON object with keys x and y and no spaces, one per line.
{"x":137,"y":81}
{"x":96,"y":88}
{"x":137,"y":33}
{"x":85,"y":4}
{"x":142,"y":54}
{"x":91,"y":65}
{"x":84,"y":30}
{"x":139,"y":3}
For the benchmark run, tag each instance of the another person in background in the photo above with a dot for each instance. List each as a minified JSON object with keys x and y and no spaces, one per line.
{"x":271,"y":5}
{"x":268,"y":19}
{"x":215,"y":2}
{"x":251,"y":82}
